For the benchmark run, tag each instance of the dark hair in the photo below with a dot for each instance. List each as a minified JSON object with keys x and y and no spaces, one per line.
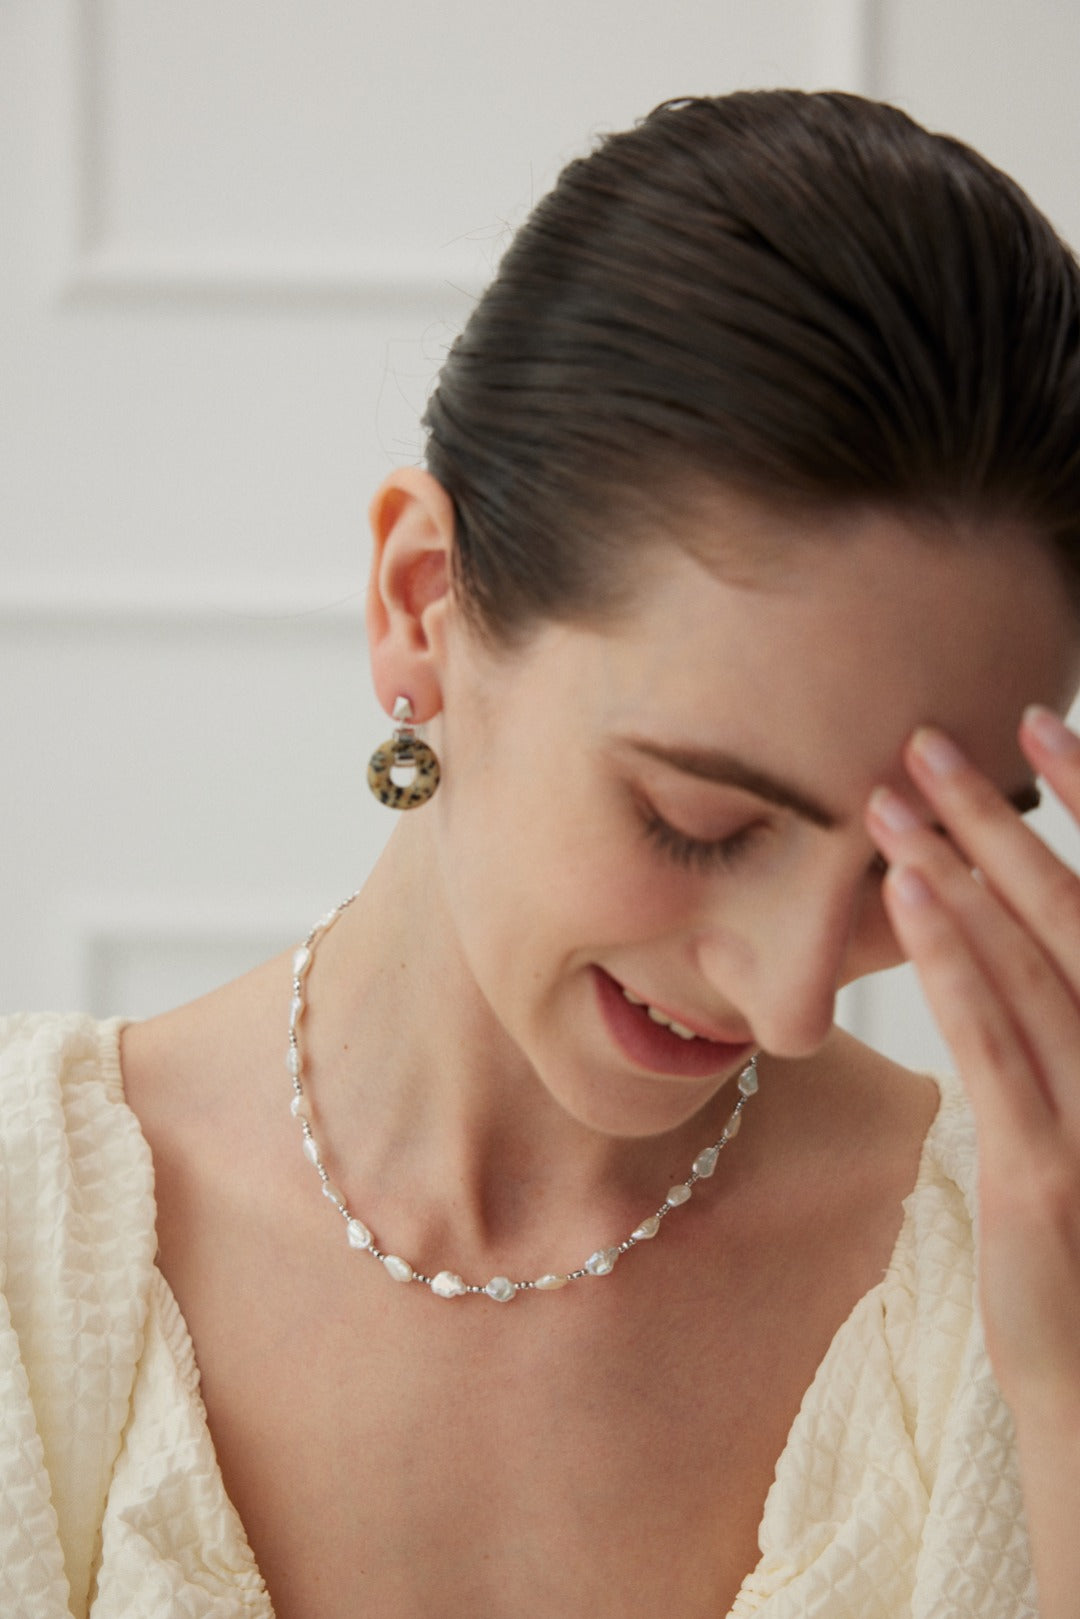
{"x":806,"y":296}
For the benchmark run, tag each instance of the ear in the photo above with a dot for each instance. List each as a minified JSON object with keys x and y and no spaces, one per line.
{"x":409,"y":592}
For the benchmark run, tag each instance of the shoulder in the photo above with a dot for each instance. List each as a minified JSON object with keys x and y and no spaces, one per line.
{"x":34,"y":1045}
{"x":924,"y":1118}
{"x":949,"y":1153}
{"x":76,"y":1188}
{"x":900,"y":1474}
{"x":199,"y":1071}
{"x":77,"y":1245}
{"x":63,"y":1122}
{"x":939,"y":1237}
{"x":76,"y":1180}
{"x":911,"y":1136}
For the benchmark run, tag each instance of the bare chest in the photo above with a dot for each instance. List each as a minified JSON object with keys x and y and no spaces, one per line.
{"x":601,"y":1454}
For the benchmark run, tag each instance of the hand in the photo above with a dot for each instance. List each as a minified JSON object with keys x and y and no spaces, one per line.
{"x":998,"y":955}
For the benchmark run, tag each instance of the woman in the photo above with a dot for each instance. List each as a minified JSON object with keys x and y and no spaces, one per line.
{"x":747,"y":536}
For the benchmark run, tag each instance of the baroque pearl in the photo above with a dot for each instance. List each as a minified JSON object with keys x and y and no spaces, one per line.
{"x":399,"y":1269}
{"x":448,"y":1284}
{"x":705,"y":1162}
{"x":748,"y":1082}
{"x":602,"y":1263}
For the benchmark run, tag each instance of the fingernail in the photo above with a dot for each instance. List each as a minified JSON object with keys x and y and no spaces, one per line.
{"x":908,"y":886}
{"x":890,"y":809}
{"x":1048,"y":730}
{"x":940,"y":756}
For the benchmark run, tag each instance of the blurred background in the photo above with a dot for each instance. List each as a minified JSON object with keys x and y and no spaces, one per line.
{"x":237,"y":238}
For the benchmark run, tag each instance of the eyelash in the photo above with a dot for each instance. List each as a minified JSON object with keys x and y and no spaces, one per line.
{"x":697,"y":853}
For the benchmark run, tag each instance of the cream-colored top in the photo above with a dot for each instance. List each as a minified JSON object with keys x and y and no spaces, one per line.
{"x":896,"y":1494}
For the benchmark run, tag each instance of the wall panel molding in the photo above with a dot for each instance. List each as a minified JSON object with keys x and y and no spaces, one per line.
{"x":849,"y":45}
{"x":370,"y":283}
{"x":327,"y":604}
{"x":97,"y":270}
{"x":102,"y":941}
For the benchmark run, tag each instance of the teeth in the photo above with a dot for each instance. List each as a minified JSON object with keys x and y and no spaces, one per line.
{"x":682,"y":1031}
{"x":669,"y":1023}
{"x":661,"y":1017}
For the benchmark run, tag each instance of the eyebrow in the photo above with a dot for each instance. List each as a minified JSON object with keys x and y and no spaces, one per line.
{"x":710,"y":764}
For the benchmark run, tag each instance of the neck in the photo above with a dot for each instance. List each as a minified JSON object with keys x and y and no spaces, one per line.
{"x":440,"y":1133}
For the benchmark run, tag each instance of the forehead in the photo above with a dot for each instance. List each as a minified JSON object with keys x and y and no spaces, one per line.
{"x":826,"y":643}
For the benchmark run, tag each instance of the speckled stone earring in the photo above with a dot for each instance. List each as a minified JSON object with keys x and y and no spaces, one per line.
{"x":403,"y":749}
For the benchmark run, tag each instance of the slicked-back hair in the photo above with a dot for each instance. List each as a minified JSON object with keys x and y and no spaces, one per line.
{"x":806,"y":296}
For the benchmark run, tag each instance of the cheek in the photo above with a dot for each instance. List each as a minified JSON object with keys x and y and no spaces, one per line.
{"x":584,"y":890}
{"x":607,"y":893}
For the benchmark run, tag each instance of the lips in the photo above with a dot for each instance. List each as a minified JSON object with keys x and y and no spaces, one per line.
{"x":653,"y":1046}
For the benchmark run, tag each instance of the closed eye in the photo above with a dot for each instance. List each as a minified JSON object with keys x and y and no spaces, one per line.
{"x":698,"y":854}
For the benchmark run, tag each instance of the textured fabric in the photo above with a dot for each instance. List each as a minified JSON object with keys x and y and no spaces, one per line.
{"x":898,"y":1490}
{"x":111,"y":1500}
{"x":897,"y":1493}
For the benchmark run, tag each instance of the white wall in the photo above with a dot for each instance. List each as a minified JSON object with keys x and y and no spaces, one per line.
{"x":237,"y":237}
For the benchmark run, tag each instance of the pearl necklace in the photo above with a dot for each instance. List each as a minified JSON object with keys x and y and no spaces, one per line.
{"x":447,"y":1284}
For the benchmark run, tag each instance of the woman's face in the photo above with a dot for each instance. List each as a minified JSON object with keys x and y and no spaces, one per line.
{"x":673,"y":805}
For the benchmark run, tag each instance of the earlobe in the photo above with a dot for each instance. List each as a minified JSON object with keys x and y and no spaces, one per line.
{"x":410,"y":588}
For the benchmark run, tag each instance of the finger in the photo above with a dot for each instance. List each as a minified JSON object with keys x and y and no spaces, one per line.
{"x":1054,"y":750}
{"x":1038,"y":1003}
{"x":1035,"y":885}
{"x":1010,"y":1112}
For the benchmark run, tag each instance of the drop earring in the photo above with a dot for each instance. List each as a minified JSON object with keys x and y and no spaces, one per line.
{"x":402,"y":750}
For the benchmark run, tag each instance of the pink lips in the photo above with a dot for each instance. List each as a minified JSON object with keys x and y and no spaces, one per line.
{"x":650,"y":1045}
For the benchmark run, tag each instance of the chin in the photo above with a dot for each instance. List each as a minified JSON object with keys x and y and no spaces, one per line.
{"x":634,"y":1109}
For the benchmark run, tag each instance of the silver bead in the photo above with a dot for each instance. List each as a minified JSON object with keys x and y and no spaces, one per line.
{"x":448,"y":1284}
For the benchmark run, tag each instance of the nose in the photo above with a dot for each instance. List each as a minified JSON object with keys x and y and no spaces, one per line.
{"x":782,"y":964}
